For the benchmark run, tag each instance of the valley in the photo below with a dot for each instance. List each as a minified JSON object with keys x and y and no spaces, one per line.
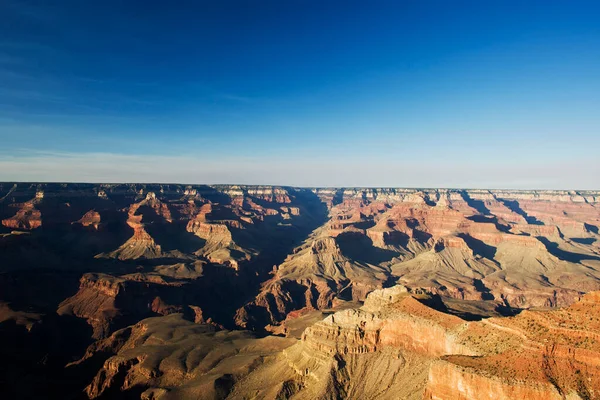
{"x":162,"y":291}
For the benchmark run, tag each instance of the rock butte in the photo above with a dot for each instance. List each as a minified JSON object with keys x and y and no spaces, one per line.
{"x":232,"y":291}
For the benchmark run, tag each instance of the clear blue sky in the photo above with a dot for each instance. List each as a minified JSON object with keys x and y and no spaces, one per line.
{"x":324,"y":93}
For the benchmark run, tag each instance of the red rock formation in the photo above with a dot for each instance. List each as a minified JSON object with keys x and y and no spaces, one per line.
{"x":311,"y":278}
{"x":95,"y":301}
{"x":557,"y":354}
{"x":28,"y":218}
{"x":159,"y":207}
{"x":448,"y":381}
{"x":105,"y":300}
{"x":90,"y":218}
{"x":477,"y":248}
{"x":219,"y":247}
{"x":394,"y":346}
{"x":141,"y":244}
{"x":409,"y":325}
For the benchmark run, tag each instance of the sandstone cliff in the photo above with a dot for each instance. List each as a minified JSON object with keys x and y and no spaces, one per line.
{"x":393,"y":347}
{"x":280,"y":259}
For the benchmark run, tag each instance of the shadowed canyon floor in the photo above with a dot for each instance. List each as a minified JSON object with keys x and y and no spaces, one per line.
{"x":195,"y":291}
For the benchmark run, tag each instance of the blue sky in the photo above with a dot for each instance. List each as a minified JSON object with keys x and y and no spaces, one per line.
{"x":496,"y":94}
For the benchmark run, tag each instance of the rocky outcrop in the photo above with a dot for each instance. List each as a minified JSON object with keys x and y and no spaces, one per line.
{"x":448,"y":381}
{"x":27,"y":218}
{"x":141,"y":244}
{"x":161,"y":209}
{"x":106,"y":301}
{"x":161,"y":356}
{"x":311,"y":278}
{"x":553,"y":354}
{"x":91,"y":219}
{"x":473,"y":245}
{"x":394,"y":346}
{"x":95,"y":301}
{"x":216,"y":234}
{"x":537,"y":354}
{"x":390,"y":317}
{"x":219,"y":247}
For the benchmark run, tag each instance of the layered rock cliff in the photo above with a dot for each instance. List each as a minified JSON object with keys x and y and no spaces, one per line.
{"x":474,"y":245}
{"x":276,"y":258}
{"x":393,"y":347}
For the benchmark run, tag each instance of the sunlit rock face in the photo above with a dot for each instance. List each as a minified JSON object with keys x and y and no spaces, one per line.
{"x":26,"y":218}
{"x":379,"y":292}
{"x":467,"y":244}
{"x":357,"y":353}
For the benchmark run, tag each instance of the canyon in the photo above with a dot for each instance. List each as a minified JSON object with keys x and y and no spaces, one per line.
{"x":167,"y":291}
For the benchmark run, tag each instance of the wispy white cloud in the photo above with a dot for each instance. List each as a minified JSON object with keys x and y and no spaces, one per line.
{"x":210,"y":168}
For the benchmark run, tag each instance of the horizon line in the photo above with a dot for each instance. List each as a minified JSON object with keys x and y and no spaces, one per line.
{"x":299,"y":187}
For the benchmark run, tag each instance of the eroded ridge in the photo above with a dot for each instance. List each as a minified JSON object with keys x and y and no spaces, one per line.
{"x":394,"y":346}
{"x":429,"y":283}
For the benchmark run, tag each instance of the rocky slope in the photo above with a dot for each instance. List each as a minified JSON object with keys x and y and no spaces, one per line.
{"x":393,"y":347}
{"x":475,"y":245}
{"x":157,"y":356}
{"x":97,"y":258}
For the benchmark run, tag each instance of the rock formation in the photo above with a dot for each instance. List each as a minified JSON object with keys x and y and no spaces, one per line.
{"x":393,"y":347}
{"x":28,"y":218}
{"x":90,"y":218}
{"x":465,"y":292}
{"x":156,"y":356}
{"x":311,"y":278}
{"x":475,"y":245}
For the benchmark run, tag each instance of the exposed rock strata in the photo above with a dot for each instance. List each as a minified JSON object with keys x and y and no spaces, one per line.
{"x":27,"y":218}
{"x":393,"y":347}
{"x":204,"y":251}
